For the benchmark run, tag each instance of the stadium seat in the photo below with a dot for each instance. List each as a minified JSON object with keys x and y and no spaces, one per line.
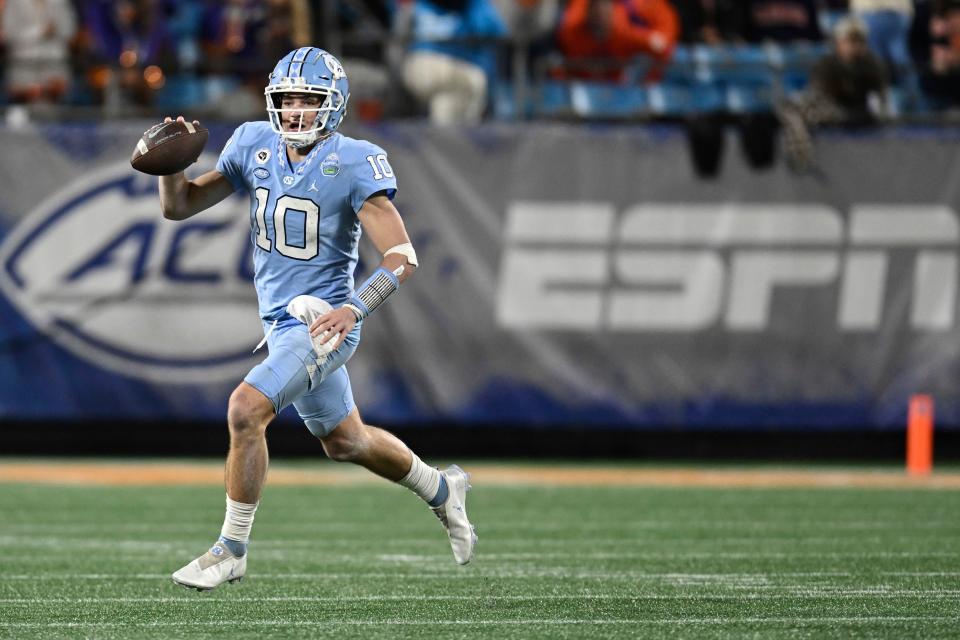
{"x":605,"y":100}
{"x":707,"y":97}
{"x":795,"y":63}
{"x":551,"y":98}
{"x":748,"y":99}
{"x":181,"y":91}
{"x":669,"y":99}
{"x":503,"y":102}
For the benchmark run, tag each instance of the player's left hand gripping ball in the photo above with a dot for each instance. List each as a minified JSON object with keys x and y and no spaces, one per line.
{"x":169,"y":147}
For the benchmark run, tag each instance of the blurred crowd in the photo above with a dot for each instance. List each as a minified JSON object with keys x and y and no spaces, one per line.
{"x":441,"y":58}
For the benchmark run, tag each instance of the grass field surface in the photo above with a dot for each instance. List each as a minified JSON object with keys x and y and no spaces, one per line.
{"x":344,"y":557}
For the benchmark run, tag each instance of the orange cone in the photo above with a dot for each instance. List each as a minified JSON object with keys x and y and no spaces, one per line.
{"x":920,"y":435}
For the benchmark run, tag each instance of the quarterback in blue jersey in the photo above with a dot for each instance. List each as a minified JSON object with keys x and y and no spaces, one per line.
{"x":311,"y":191}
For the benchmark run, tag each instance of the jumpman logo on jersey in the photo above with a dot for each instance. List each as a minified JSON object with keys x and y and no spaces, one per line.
{"x":313,"y":186}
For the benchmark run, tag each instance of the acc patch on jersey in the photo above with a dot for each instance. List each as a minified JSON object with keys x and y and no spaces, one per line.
{"x":330,"y":165}
{"x":261,"y":173}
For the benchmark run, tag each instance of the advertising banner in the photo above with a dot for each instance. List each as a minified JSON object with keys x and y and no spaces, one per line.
{"x":576,"y":276}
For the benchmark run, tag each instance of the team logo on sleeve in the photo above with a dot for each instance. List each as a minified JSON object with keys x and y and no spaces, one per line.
{"x":262,"y":155}
{"x":330,"y":165}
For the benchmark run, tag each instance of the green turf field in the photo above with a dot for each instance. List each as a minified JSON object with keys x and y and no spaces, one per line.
{"x":572,"y":562}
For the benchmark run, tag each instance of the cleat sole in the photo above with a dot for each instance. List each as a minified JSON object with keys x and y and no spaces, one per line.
{"x":192,"y":586}
{"x":204,"y":589}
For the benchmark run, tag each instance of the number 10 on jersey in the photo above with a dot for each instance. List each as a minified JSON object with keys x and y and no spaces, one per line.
{"x":381,"y":168}
{"x":311,"y":223}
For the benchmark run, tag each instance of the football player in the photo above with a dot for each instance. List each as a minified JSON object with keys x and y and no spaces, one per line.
{"x":311,"y":191}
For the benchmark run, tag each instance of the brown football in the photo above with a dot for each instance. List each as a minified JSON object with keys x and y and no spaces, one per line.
{"x":168,"y":148}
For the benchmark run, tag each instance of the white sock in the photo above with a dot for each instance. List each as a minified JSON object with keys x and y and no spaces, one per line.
{"x":422,"y":479}
{"x":238,"y":521}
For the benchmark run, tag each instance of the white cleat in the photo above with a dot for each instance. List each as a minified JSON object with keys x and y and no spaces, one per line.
{"x":453,"y":515}
{"x":216,"y":566}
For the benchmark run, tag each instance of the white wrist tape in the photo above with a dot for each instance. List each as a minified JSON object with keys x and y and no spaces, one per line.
{"x":406,"y":250}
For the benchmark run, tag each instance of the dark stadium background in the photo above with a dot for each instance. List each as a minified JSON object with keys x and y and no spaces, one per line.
{"x":698,"y":125}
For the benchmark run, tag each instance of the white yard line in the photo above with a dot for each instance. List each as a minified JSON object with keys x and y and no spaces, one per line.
{"x":514,"y":525}
{"x":761,"y":580}
{"x":201,"y":599}
{"x":457,"y":574}
{"x":468,"y":622}
{"x":279,"y":549}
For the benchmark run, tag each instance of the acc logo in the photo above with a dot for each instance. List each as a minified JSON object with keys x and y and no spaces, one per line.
{"x":261,"y":173}
{"x":262,"y":155}
{"x":99,"y":271}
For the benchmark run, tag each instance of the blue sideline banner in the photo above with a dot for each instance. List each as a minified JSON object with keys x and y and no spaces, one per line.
{"x":570,"y":276}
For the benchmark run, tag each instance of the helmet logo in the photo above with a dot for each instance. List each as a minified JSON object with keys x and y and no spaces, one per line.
{"x":335,"y":67}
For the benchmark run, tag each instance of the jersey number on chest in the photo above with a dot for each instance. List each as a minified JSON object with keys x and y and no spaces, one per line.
{"x":311,"y":223}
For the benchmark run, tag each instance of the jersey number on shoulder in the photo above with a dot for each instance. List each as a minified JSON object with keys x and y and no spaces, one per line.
{"x":381,"y":168}
{"x":311,"y":224}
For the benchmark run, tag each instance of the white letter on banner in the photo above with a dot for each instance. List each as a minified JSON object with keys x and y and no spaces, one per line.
{"x":934,"y":291}
{"x":727,"y":225}
{"x":702,"y":279}
{"x":861,"y":290}
{"x":935,"y":271}
{"x":556,"y":287}
{"x":689,"y":297}
{"x":755,"y":274}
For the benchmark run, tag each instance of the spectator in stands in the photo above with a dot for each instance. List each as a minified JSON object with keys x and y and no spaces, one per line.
{"x":451,"y":57}
{"x":888,"y":27}
{"x":599,"y":37}
{"x":848,"y":87}
{"x":37,"y":35}
{"x":287,"y":25}
{"x":780,"y":20}
{"x":359,"y":30}
{"x":130,"y":36}
{"x":942,"y":79}
{"x":184,"y":25}
{"x":232,"y":36}
{"x":709,"y":21}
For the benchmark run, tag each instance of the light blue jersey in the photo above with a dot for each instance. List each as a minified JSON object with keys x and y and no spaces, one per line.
{"x":303,"y":217}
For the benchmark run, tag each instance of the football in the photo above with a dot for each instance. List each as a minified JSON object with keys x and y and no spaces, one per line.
{"x":168,"y":148}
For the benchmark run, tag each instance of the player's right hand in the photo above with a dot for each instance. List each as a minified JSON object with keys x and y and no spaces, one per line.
{"x":335,"y":323}
{"x":196,"y":123}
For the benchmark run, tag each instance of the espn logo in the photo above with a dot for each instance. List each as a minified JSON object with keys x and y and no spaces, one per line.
{"x":691,"y":267}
